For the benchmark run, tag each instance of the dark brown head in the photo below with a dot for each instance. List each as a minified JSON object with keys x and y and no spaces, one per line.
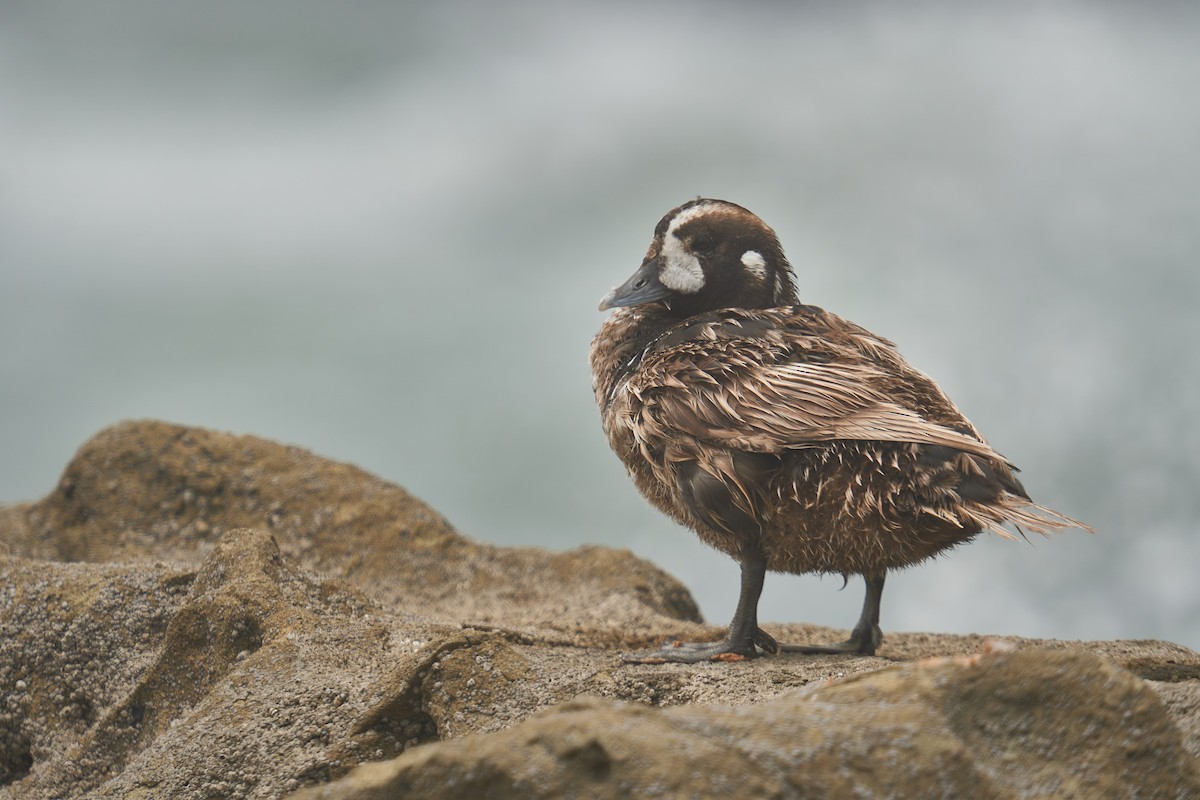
{"x":709,"y":254}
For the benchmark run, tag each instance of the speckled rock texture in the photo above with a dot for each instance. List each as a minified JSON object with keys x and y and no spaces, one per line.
{"x":192,"y":614}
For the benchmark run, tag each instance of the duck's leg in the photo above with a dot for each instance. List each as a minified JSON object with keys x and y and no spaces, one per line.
{"x":743,"y":634}
{"x":865,"y":637}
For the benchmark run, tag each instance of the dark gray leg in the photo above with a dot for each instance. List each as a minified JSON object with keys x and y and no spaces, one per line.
{"x":865,"y":637}
{"x":743,"y":635}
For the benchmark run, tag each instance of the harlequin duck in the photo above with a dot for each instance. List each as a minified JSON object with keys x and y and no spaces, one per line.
{"x":782,"y":434}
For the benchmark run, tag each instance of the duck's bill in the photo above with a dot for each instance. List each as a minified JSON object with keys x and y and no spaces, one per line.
{"x":643,"y":286}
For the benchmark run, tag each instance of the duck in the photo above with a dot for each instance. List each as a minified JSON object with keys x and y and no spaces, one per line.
{"x":783,"y":435}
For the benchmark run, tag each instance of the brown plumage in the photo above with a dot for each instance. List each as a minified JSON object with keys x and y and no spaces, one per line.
{"x":782,"y":434}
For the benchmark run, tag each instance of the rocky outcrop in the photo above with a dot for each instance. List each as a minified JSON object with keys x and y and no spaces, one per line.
{"x":193,"y":614}
{"x":1007,"y":725}
{"x":150,"y":490}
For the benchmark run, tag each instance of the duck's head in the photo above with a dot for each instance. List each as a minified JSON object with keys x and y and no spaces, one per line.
{"x":709,"y":254}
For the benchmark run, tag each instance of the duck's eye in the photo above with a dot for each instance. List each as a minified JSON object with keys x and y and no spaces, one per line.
{"x":703,"y":243}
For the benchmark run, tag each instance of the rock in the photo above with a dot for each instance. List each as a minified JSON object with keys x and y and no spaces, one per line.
{"x":192,"y":614}
{"x":1008,"y":725}
{"x":151,"y":490}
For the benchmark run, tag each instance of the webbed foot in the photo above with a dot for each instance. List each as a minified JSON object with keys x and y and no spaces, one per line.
{"x":693,"y":653}
{"x":861,"y":642}
{"x":696,"y":652}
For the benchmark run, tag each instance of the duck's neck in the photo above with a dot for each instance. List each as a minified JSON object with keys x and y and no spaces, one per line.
{"x":621,"y":342}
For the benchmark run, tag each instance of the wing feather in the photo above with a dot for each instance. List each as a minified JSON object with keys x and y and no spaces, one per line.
{"x":792,"y":389}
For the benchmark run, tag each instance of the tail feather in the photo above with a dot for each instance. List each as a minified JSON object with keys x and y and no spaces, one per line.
{"x":1024,"y":515}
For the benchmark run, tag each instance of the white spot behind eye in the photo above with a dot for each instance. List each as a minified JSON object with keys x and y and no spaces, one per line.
{"x":753,"y":261}
{"x":681,"y":270}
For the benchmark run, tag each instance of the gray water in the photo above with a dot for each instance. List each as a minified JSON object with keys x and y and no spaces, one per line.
{"x":380,"y":231}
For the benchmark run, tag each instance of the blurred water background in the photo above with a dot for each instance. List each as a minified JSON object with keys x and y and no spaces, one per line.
{"x":380,"y":230}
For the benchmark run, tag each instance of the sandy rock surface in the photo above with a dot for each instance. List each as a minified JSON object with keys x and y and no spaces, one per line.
{"x":192,"y":614}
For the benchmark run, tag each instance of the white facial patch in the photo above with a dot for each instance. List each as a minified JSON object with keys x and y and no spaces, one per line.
{"x":753,"y":261}
{"x":680,"y":271}
{"x":687,"y":215}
